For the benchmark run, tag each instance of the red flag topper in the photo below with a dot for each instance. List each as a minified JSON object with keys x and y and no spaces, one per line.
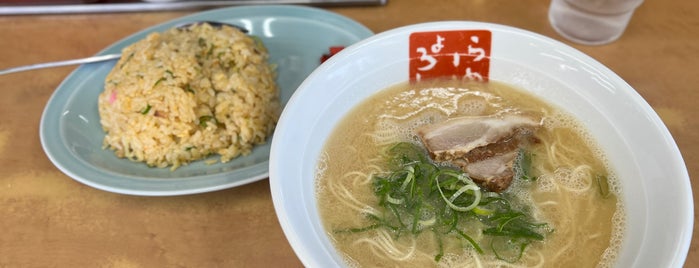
{"x":460,"y":54}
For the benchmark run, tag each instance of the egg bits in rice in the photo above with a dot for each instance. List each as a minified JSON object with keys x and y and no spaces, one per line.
{"x":187,"y":93}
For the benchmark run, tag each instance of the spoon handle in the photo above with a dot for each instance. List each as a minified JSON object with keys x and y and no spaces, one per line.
{"x":60,"y":63}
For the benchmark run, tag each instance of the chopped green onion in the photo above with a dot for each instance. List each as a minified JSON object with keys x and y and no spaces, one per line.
{"x":440,"y":254}
{"x":482,"y":211}
{"x":428,"y":222}
{"x":204,"y":119}
{"x":470,"y":185}
{"x":417,"y":195}
{"x":395,"y":201}
{"x":158,"y":82}
{"x":210,"y":51}
{"x":471,"y":241}
{"x":147,"y":109}
{"x":410,"y":176}
{"x":126,"y":60}
{"x":188,"y":88}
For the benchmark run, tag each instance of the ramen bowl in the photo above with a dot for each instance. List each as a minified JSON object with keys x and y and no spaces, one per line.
{"x":638,"y":146}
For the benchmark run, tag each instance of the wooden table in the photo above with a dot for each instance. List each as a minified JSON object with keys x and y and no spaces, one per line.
{"x":49,"y":220}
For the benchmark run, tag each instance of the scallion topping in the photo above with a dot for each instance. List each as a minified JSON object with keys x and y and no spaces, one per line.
{"x":417,"y":195}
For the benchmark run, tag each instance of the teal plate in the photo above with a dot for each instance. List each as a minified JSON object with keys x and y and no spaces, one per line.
{"x":72,"y":136}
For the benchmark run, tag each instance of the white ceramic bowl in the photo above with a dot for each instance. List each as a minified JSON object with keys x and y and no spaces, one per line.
{"x":655,"y":183}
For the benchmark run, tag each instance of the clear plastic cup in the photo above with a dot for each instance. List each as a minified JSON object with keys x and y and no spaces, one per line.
{"x":591,"y":22}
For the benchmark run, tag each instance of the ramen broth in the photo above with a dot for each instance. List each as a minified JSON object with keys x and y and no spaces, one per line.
{"x":586,"y":221}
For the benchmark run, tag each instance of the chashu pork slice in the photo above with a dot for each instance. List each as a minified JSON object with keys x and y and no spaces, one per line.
{"x":494,"y":173}
{"x":454,"y":138}
{"x":485,"y":147}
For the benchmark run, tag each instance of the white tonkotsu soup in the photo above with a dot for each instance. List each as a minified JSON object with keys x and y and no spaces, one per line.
{"x":572,"y":193}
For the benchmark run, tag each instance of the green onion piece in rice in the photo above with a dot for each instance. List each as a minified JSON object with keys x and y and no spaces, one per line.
{"x":204,"y":119}
{"x":147,"y":109}
{"x":158,"y":82}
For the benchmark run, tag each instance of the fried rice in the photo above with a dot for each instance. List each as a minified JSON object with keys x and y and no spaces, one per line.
{"x":184,"y":94}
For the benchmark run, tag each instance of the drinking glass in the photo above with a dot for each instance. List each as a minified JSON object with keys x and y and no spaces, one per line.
{"x":591,"y":22}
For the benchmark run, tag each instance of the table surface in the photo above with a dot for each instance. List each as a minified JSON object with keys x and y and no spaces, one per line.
{"x":47,"y":219}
